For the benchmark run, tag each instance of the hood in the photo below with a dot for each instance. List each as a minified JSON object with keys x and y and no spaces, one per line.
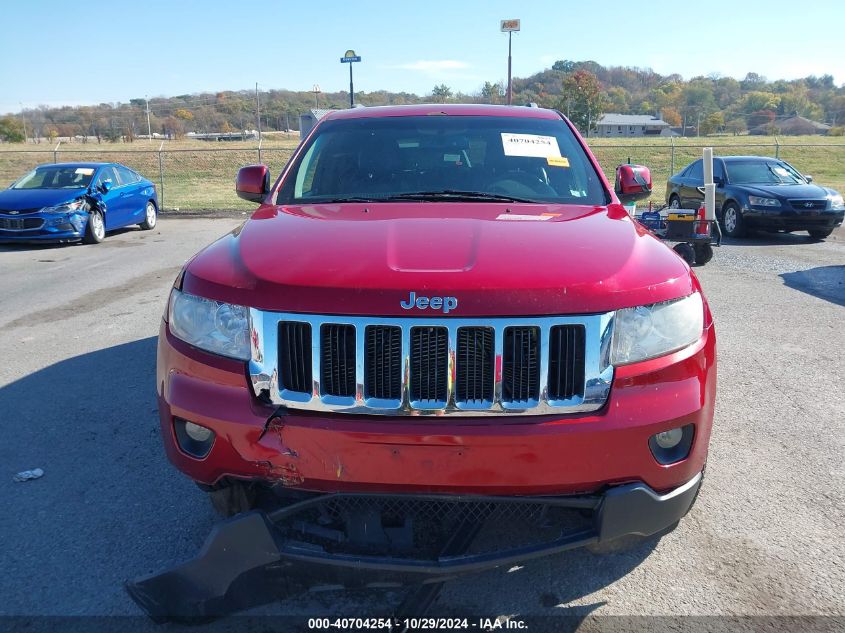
{"x":35,"y":199}
{"x":495,"y":259}
{"x":788,"y":192}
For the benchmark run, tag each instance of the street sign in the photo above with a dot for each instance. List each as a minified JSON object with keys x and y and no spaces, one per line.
{"x":349,"y":57}
{"x":510,"y":25}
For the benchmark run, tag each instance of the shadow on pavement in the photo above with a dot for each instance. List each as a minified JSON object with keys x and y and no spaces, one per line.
{"x":110,"y":507}
{"x":825,"y":282}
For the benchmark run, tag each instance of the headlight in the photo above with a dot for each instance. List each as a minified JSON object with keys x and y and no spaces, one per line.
{"x":837,"y":203}
{"x":63,"y":208}
{"x":656,"y":330}
{"x":217,"y":327}
{"x":756,"y":201}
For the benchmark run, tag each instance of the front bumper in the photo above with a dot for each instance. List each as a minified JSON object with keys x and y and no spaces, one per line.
{"x":341,"y":540}
{"x":791,"y":220}
{"x":532,"y":455}
{"x":44,"y":227}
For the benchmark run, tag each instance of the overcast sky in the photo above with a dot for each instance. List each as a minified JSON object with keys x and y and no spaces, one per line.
{"x":58,"y":52}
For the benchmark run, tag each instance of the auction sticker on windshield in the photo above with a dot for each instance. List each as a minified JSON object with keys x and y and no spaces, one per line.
{"x":529,"y":145}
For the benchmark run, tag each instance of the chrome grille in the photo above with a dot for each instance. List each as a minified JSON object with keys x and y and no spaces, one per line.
{"x":414,"y":366}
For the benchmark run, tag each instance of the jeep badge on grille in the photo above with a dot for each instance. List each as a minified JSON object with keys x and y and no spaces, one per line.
{"x":446,"y":304}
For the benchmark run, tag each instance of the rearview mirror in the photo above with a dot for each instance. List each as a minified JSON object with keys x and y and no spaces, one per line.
{"x":253,"y":183}
{"x":633,"y":182}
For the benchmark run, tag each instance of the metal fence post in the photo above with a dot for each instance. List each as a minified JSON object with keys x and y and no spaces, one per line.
{"x":56,"y":152}
{"x":777,"y":148}
{"x":161,"y":176}
{"x":259,"y":151}
{"x":672,"y":166}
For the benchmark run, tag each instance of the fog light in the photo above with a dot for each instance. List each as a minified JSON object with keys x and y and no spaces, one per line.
{"x":672,"y":445}
{"x":201,"y":434}
{"x":193,"y":439}
{"x":665,"y":439}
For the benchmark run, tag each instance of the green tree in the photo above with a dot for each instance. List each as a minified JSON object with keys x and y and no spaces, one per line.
{"x":492,"y":92}
{"x":11,"y":129}
{"x":441,"y":93}
{"x":583,"y":99}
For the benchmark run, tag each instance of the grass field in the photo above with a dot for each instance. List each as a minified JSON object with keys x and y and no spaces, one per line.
{"x":199,"y":175}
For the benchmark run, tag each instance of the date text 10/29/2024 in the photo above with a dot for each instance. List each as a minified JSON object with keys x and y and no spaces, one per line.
{"x":416,"y":624}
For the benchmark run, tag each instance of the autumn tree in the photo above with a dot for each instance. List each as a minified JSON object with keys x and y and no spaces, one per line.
{"x":11,"y":129}
{"x":583,"y":99}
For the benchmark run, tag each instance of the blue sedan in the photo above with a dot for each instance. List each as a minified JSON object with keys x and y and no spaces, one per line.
{"x":71,"y":202}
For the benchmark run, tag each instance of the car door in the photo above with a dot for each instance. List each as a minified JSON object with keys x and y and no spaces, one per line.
{"x":112,"y":198}
{"x":691,"y":196}
{"x":132,"y":202}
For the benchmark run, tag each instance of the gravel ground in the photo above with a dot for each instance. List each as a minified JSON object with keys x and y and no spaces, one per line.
{"x":77,"y":399}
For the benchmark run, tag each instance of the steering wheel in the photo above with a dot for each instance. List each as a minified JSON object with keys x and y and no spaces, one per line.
{"x":521,"y":183}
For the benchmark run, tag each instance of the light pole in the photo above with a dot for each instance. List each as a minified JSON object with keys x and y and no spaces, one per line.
{"x":509,"y":26}
{"x":349,"y":58}
{"x":149,"y":129}
{"x":23,"y":118}
{"x":316,"y":90}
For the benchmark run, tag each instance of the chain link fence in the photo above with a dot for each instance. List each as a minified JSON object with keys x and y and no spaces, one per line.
{"x":203,"y":178}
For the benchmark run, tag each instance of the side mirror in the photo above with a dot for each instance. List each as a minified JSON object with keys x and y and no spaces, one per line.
{"x":253,"y":182}
{"x":718,"y":181}
{"x":105,"y":186}
{"x":808,"y":178}
{"x":633,"y":182}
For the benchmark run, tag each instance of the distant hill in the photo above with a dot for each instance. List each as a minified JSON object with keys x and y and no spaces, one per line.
{"x":711,"y":104}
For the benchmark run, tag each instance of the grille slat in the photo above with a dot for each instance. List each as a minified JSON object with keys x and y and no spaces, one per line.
{"x":295,"y":356}
{"x":429,"y":364}
{"x":520,"y":366}
{"x":566,"y":362}
{"x":337,"y":360}
{"x":475,"y":359}
{"x":383,"y":362}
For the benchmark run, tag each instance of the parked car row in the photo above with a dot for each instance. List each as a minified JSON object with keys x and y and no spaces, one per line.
{"x":754,"y":192}
{"x":73,"y":202}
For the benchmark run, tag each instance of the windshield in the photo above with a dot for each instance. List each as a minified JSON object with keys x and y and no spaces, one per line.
{"x":763,"y":172}
{"x":472,"y":158}
{"x":56,"y":177}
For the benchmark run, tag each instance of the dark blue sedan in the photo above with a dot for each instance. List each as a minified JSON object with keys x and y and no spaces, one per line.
{"x":71,"y":202}
{"x":754,"y":192}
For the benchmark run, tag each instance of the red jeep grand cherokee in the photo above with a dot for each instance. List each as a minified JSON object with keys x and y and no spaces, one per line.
{"x":439,"y":315}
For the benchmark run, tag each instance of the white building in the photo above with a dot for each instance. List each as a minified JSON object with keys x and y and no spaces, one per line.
{"x":632,"y":125}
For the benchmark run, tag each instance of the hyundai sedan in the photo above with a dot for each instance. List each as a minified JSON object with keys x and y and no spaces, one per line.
{"x":754,"y":192}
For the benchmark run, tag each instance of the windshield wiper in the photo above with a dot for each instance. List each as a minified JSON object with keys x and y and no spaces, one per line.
{"x":456,"y":194}
{"x":340,"y":200}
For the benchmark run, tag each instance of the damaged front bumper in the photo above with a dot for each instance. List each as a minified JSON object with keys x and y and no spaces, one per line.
{"x":384,"y":541}
{"x":42,"y":227}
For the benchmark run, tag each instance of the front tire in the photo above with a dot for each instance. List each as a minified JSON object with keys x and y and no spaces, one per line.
{"x":674,"y":202}
{"x":150,"y":217}
{"x":732,"y":221}
{"x":820,"y":234}
{"x":95,"y":230}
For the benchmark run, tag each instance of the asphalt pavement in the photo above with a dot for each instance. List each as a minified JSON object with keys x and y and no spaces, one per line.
{"x":77,"y":399}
